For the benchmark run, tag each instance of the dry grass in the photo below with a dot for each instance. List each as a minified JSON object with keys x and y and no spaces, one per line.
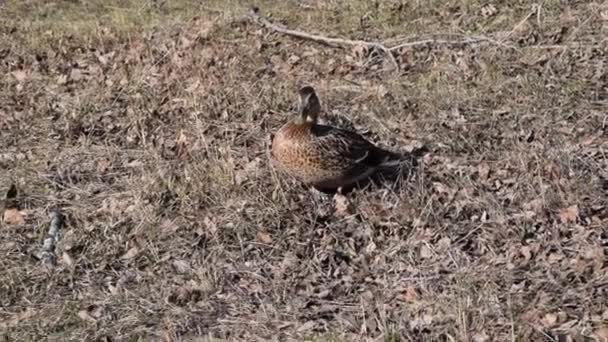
{"x":147,"y":123}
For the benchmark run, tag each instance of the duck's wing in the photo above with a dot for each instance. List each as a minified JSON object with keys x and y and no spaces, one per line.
{"x":348,"y":147}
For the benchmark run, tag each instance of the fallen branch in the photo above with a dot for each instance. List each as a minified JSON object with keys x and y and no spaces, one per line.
{"x":463,"y":40}
{"x":335,"y":42}
{"x":47,"y":254}
{"x":388,"y":51}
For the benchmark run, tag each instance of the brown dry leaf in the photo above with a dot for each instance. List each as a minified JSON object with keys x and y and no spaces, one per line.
{"x":14,"y":216}
{"x":67,"y":259}
{"x":264,"y":237}
{"x":481,"y":337}
{"x":410,"y":294}
{"x":443,"y":244}
{"x":442,"y":188}
{"x":549,"y":320}
{"x":306,"y":326}
{"x":181,"y":266}
{"x":19,"y":75}
{"x":131,"y":253}
{"x":526,"y":253}
{"x":483,"y":170}
{"x":293,"y":59}
{"x":76,"y":75}
{"x":601,"y":334}
{"x":182,"y":145}
{"x":85,"y":316}
{"x":103,"y":165}
{"x":343,"y":205}
{"x":568,"y":215}
{"x":425,"y":252}
{"x":62,"y":79}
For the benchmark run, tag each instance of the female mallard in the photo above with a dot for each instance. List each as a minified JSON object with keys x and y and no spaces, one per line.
{"x":325,"y":157}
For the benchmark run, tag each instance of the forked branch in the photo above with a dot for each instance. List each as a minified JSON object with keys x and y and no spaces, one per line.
{"x":334,"y":42}
{"x":256,"y":16}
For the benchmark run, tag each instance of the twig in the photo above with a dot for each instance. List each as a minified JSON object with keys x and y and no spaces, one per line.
{"x":335,"y":42}
{"x":47,"y":254}
{"x":463,"y":39}
{"x":382,"y":46}
{"x":520,"y":24}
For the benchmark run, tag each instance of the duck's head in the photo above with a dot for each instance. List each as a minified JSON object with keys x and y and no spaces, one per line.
{"x":310,"y":107}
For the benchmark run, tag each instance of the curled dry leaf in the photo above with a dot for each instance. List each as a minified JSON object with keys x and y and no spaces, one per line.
{"x":131,"y":253}
{"x":343,"y":205}
{"x":14,"y":216}
{"x":410,"y":294}
{"x":601,"y":334}
{"x":483,"y":170}
{"x":425,"y":252}
{"x":86,"y":316}
{"x":67,"y":259}
{"x":568,"y":215}
{"x":550,"y":320}
{"x":19,"y":75}
{"x":264,"y":237}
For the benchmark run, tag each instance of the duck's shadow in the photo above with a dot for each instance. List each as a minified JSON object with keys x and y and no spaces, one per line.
{"x":388,"y":176}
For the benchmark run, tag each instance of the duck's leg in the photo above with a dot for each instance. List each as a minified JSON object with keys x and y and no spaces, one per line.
{"x":319,"y":195}
{"x":322,"y":202}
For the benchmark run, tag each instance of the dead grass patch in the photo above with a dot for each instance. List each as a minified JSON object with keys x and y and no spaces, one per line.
{"x":147,"y":123}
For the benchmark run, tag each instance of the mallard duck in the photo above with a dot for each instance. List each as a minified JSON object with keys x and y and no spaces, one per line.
{"x":326,"y":157}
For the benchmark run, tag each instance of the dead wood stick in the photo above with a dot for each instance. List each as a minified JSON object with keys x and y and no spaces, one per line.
{"x":335,"y":42}
{"x":464,"y":40}
{"x":47,"y":254}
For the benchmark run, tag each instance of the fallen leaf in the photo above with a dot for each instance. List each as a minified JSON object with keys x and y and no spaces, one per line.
{"x":182,"y":145}
{"x":181,"y":266}
{"x":306,"y":326}
{"x":343,"y":205}
{"x":103,"y":165}
{"x":410,"y":294}
{"x":483,"y":170}
{"x":19,"y":75}
{"x":601,"y":334}
{"x":264,"y":237}
{"x":526,"y":253}
{"x":569,"y":214}
{"x":14,"y":216}
{"x":549,"y":320}
{"x":444,"y":243}
{"x":85,"y":316}
{"x":425,"y":252}
{"x":481,"y":337}
{"x":131,"y":253}
{"x":67,"y":259}
{"x":76,"y":75}
{"x":293,"y":59}
{"x":62,"y":79}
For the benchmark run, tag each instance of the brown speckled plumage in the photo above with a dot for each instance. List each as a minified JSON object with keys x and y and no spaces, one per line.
{"x":324,"y":156}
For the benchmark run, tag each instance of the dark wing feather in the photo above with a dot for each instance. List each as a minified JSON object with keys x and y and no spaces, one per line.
{"x":348,"y":146}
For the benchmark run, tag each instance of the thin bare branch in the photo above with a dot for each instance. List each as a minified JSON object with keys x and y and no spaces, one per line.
{"x":382,"y":46}
{"x":334,"y":42}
